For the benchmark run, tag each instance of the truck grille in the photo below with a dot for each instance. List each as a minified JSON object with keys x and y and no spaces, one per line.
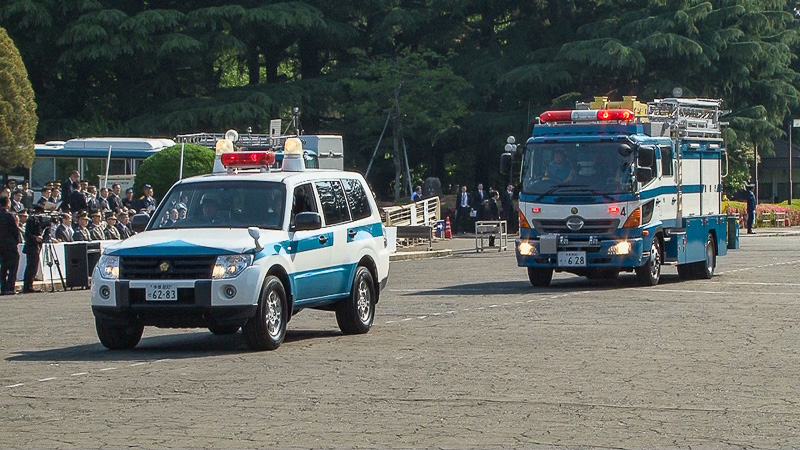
{"x":180,"y":268}
{"x":590,"y":226}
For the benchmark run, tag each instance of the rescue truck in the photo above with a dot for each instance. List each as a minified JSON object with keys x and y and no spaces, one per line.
{"x":246,"y":246}
{"x":614,"y":187}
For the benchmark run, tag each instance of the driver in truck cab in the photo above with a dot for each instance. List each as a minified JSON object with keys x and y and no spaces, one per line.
{"x":560,"y":170}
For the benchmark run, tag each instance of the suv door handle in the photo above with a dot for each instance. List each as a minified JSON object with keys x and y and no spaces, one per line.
{"x":323,"y":239}
{"x":352,"y":233}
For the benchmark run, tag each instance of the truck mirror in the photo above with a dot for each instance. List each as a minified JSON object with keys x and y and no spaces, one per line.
{"x":139,"y":222}
{"x":646,"y":156}
{"x":625,"y":150}
{"x":506,"y":159}
{"x":644,"y":174}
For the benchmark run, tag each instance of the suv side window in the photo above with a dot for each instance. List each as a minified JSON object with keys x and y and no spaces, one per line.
{"x":356,"y":199}
{"x":334,"y":206}
{"x":303,"y":200}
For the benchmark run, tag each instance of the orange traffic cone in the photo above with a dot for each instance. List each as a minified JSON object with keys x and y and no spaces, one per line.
{"x":448,"y":232}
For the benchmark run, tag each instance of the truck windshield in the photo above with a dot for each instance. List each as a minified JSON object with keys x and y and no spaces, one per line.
{"x":229,"y":204}
{"x":575,"y":168}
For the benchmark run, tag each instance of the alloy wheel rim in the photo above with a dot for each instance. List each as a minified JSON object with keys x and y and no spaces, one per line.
{"x":655,"y":269}
{"x":364,"y":301}
{"x":273,"y":314}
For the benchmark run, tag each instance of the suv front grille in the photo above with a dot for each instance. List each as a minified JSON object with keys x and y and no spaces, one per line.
{"x":177,"y":268}
{"x":590,"y":226}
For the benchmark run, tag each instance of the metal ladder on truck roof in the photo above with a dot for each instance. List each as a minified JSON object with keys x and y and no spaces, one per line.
{"x":695,"y":118}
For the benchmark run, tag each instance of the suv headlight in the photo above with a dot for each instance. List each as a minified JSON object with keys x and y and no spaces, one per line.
{"x":109,"y":267}
{"x":230,"y":266}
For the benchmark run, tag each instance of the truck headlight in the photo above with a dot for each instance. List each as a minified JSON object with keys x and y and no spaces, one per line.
{"x":230,"y":266}
{"x":620,"y":248}
{"x":109,"y":267}
{"x":526,"y":248}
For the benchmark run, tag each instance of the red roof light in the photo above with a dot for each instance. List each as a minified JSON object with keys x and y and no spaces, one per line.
{"x":248,"y":159}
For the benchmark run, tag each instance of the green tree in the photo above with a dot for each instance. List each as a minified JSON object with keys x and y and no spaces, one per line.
{"x":423,"y":97}
{"x":161,"y":170}
{"x":17,"y":108}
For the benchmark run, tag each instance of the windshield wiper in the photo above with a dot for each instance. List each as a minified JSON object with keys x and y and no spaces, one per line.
{"x":551,"y":190}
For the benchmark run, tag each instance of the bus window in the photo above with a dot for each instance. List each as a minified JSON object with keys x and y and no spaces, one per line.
{"x":92,"y":167}
{"x":42,"y":172}
{"x":65,"y":166}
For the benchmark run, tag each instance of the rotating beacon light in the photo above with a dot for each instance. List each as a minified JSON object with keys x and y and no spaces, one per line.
{"x":293,"y":155}
{"x":222,"y":146}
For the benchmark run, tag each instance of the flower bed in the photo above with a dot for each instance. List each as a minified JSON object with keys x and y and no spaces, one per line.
{"x":740,"y":209}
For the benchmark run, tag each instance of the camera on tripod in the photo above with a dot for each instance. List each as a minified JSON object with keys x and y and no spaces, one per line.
{"x":44,"y":220}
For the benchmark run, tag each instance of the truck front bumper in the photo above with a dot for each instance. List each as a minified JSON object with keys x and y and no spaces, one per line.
{"x":601,"y":254}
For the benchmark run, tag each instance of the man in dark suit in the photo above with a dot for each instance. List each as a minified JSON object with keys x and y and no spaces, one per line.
{"x":77,"y":199}
{"x":64,"y":231}
{"x":32,"y":248}
{"x":9,"y":254}
{"x":68,"y":186}
{"x":463,"y":207}
{"x":509,"y":211}
{"x":480,"y":202}
{"x":114,"y":199}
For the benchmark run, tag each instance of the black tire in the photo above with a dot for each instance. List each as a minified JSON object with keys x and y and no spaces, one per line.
{"x":118,"y":337}
{"x":704,"y":270}
{"x":650,"y":273}
{"x":540,"y":277}
{"x":223,"y":330}
{"x":356,"y":313}
{"x":267,"y":329}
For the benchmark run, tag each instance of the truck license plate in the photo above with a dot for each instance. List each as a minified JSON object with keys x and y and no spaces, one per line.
{"x":161,"y":292}
{"x":572,"y":259}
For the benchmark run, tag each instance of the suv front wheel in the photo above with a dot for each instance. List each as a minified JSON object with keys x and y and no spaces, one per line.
{"x":267,"y":329}
{"x":355,"y":314}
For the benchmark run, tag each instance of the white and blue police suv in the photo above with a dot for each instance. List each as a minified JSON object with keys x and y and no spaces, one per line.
{"x":246,"y":247}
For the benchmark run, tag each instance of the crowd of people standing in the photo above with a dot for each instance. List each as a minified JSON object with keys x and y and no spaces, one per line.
{"x":482,"y":204}
{"x":68,"y":211}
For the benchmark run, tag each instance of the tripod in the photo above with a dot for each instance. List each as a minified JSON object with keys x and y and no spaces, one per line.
{"x":50,"y":258}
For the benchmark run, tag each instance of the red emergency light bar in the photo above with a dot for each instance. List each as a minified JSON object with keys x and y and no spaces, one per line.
{"x":586,"y":115}
{"x":248,"y":159}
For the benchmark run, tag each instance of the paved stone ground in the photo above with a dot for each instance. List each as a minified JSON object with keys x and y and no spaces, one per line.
{"x":464,"y":353}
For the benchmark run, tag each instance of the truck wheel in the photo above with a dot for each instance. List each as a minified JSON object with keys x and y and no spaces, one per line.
{"x":356,"y":313}
{"x":267,"y":329}
{"x":540,"y":277}
{"x":705,"y":269}
{"x":650,"y":273}
{"x":223,"y":330}
{"x":118,"y":337}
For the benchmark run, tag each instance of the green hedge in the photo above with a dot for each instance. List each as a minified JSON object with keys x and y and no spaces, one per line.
{"x":161,"y":170}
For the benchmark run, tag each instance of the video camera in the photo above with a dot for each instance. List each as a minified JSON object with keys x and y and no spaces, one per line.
{"x":43,"y":220}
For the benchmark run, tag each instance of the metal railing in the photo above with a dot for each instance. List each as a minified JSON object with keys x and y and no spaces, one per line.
{"x":423,"y":212}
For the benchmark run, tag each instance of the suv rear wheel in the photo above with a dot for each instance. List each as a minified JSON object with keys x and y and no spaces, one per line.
{"x":356,"y":314}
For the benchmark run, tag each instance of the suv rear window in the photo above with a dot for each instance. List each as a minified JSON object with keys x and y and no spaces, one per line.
{"x":356,"y":199}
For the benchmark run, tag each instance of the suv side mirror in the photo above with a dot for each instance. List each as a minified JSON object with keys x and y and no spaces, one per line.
{"x":139,"y":222}
{"x":307,"y":221}
{"x":644,"y":174}
{"x":624,"y":150}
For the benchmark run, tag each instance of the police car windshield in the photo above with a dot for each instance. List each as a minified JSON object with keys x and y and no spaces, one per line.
{"x":575,"y":168}
{"x":225,"y":204}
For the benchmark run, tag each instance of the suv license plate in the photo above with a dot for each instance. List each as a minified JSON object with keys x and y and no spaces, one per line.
{"x":572,"y":259}
{"x":161,"y":292}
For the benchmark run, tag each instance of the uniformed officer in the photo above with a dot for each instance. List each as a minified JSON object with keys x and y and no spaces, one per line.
{"x":147,"y":202}
{"x":96,"y":228}
{"x":33,"y":246}
{"x":112,"y":232}
{"x":82,"y":232}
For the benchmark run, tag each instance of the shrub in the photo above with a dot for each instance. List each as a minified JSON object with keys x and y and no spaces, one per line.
{"x":161,"y":170}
